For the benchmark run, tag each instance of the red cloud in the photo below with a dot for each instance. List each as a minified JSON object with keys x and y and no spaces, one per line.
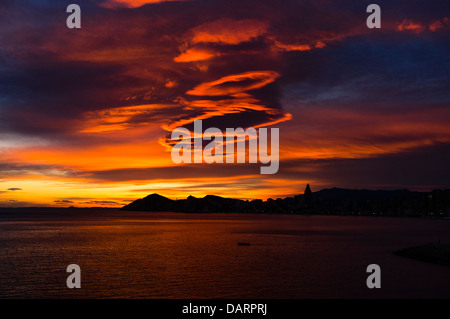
{"x":299,"y":47}
{"x":409,"y":25}
{"x":438,"y":24}
{"x":228,"y":31}
{"x":113,"y":4}
{"x":193,"y":55}
{"x":236,"y":83}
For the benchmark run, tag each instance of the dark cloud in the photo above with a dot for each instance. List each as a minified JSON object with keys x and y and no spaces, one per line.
{"x":17,"y":169}
{"x":242,"y":184}
{"x":14,"y":189}
{"x":361,"y":73}
{"x":18,"y":203}
{"x":419,"y":169}
{"x":101,"y":202}
{"x":63,"y":201}
{"x":174,"y":172}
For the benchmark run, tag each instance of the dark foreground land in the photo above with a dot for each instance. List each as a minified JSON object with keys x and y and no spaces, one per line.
{"x":437,"y":254}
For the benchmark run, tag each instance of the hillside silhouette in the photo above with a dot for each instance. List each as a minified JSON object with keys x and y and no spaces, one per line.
{"x":335,"y":201}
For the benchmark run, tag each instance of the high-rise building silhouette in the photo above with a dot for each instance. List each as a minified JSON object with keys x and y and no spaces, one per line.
{"x":308,"y":197}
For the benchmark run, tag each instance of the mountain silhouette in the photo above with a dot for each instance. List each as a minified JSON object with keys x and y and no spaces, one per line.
{"x":327,"y":201}
{"x":207,"y":204}
{"x":152,"y":203}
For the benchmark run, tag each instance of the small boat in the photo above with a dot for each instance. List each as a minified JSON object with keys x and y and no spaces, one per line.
{"x":243,"y":244}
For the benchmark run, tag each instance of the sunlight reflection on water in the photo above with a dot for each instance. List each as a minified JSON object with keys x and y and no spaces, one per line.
{"x":169,"y":255}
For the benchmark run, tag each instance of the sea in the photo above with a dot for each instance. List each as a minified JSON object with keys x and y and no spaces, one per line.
{"x":143,"y":255}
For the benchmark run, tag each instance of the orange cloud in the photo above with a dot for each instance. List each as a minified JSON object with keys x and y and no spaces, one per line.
{"x":434,"y":26}
{"x":293,"y":47}
{"x":299,"y":47}
{"x":236,"y":87}
{"x":213,"y":108}
{"x":119,"y":118}
{"x":193,"y":55}
{"x":229,"y":31}
{"x":438,"y":24}
{"x":236,"y":83}
{"x":409,"y":25}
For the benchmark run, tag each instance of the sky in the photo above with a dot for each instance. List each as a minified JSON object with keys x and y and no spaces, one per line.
{"x":86,"y":114}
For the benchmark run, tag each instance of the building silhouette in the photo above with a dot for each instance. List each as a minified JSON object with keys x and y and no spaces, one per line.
{"x":333,"y":201}
{"x":308,"y":197}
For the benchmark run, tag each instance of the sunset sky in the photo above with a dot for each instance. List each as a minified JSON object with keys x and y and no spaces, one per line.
{"x":86,"y":114}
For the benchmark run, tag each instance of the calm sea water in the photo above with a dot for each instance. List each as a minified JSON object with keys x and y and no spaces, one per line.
{"x":171,"y":255}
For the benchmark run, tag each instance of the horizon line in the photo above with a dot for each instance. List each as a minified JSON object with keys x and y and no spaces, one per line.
{"x":244,"y":199}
